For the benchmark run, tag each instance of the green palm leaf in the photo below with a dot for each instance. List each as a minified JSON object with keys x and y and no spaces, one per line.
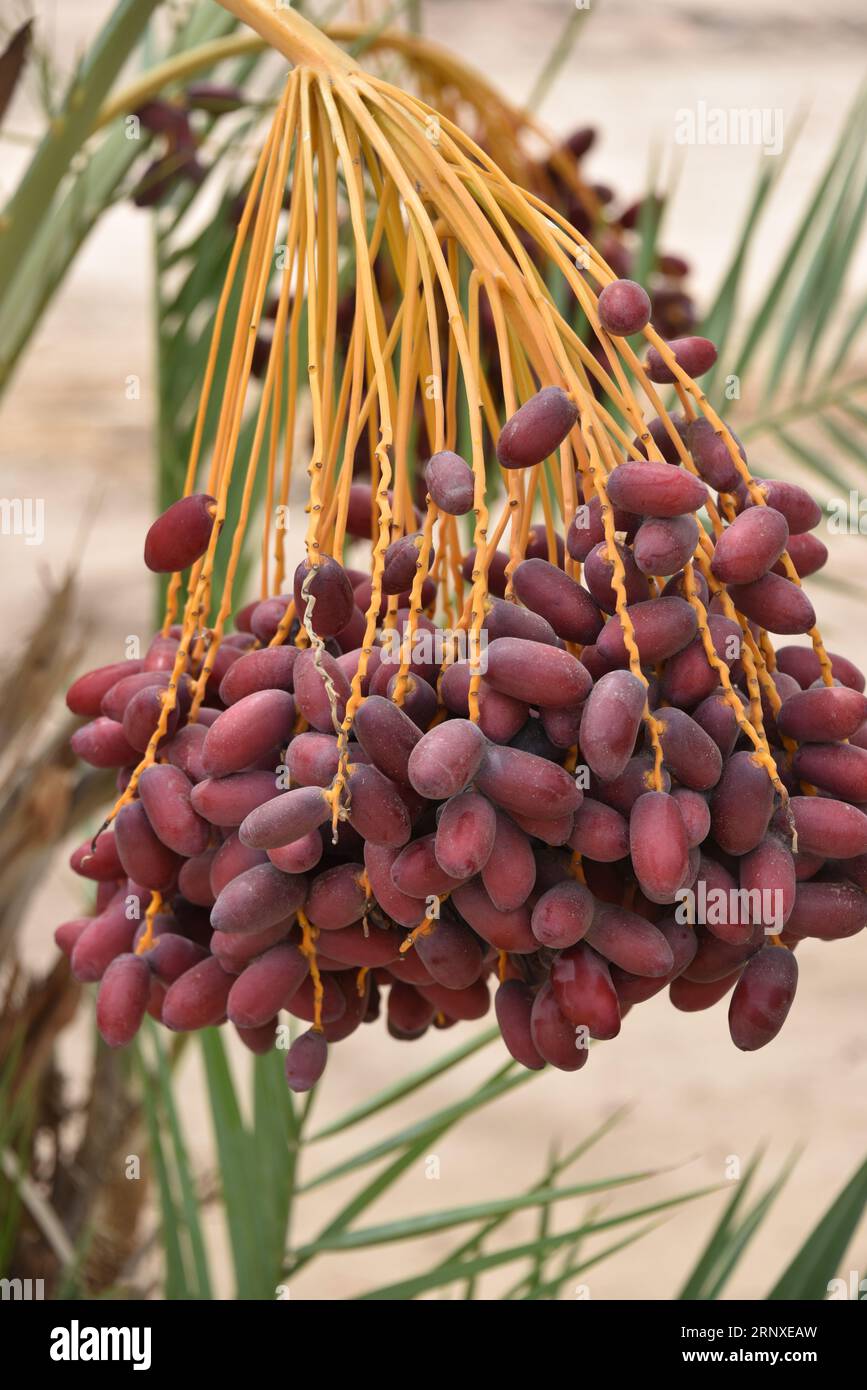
{"x":818,"y":1260}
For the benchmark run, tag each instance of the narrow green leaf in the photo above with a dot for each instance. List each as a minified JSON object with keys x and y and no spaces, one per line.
{"x":55,"y":240}
{"x":28,"y":207}
{"x":430,"y":1222}
{"x":855,"y":412}
{"x":464,"y":1269}
{"x":766,"y":314}
{"x":720,"y":1237}
{"x":384,"y":1180}
{"x":804,"y":409}
{"x":543,"y":1229}
{"x":561,"y":1166}
{"x":818,"y":1260}
{"x":560,"y":51}
{"x":849,"y":337}
{"x":745,"y":1232}
{"x":732,"y":1235}
{"x":843,"y":438}
{"x":720,"y":319}
{"x":814,"y":461}
{"x":831,"y":277}
{"x":189,"y":1197}
{"x":808,"y":305}
{"x":405,"y":1087}
{"x":498,"y":1086}
{"x":176,"y":1282}
{"x":275,"y":1131}
{"x":238,"y":1175}
{"x":552,"y":1287}
{"x":649,"y":225}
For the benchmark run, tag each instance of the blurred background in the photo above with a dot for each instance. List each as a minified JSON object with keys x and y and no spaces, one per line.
{"x":78,"y":430}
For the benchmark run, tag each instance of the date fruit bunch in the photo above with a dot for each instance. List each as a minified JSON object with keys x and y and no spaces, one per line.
{"x":520,"y":825}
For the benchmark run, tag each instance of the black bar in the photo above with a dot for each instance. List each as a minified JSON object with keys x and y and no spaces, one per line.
{"x":220,"y":1339}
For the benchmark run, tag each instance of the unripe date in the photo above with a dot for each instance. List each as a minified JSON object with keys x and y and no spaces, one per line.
{"x":266,"y":986}
{"x":450,"y":483}
{"x":610,"y":723}
{"x":526,"y":784}
{"x":655,"y":489}
{"x":122,"y":999}
{"x":326,"y":600}
{"x":514,"y":1007}
{"x":663,"y":545}
{"x":585,"y":995}
{"x":694,"y":356}
{"x":446,"y":759}
{"x":661,"y":627}
{"x":198,"y":998}
{"x":550,"y":592}
{"x":599,"y":832}
{"x":536,"y":429}
{"x":509,"y":872}
{"x":763,"y":997}
{"x":257,"y":899}
{"x":775,"y":603}
{"x":828,"y":827}
{"x":465,"y":834}
{"x":535,"y":673}
{"x":562,"y":915}
{"x":553,"y":1036}
{"x":750,"y":546}
{"x":741,"y":804}
{"x":181,"y":535}
{"x":658,"y":846}
{"x":822,"y":714}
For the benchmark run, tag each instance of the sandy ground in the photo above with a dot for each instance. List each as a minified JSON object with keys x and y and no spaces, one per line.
{"x":69,"y":434}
